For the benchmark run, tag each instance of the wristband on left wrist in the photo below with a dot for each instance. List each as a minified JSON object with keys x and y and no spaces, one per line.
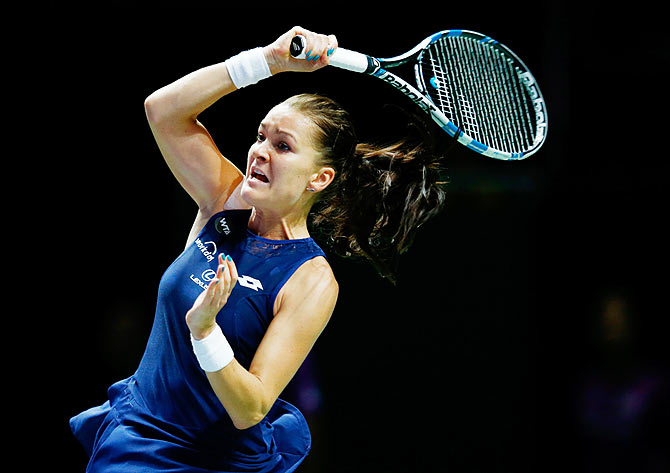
{"x":213,"y":352}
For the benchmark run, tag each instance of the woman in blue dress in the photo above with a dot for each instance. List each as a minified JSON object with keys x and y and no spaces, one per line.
{"x":241,"y":307}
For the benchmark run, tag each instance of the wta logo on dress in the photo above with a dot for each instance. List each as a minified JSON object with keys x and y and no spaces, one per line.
{"x":222,"y":226}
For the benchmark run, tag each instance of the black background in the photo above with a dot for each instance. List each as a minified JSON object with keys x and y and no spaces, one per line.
{"x":474,"y":361}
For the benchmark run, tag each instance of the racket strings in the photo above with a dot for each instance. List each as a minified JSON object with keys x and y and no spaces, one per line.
{"x":478,"y":88}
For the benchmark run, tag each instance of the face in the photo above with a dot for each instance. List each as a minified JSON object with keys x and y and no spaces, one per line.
{"x":281,"y":163}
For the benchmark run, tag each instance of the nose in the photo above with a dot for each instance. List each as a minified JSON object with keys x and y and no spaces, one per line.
{"x":260,"y":152}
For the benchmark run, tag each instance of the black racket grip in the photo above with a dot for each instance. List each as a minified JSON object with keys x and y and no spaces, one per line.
{"x":297,"y":47}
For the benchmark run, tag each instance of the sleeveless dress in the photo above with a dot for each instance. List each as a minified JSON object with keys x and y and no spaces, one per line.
{"x":166,"y":416}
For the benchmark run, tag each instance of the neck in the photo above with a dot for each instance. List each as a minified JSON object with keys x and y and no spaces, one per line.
{"x":276,"y":227}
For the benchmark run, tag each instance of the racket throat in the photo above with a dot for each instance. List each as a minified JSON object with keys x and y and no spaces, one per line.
{"x":410,"y":92}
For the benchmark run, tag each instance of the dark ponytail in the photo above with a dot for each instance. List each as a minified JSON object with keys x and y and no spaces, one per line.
{"x":381,"y":194}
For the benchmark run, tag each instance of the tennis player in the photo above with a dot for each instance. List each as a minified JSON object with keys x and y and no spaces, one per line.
{"x":241,"y":307}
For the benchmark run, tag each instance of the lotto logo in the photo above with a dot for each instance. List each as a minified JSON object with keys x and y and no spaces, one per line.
{"x":251,"y":283}
{"x":243,"y":280}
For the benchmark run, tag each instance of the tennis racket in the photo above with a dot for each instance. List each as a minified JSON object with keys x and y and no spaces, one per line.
{"x":475,"y":89}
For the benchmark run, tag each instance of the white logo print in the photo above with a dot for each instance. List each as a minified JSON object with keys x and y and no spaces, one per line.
{"x":207,"y":275}
{"x":208,"y":248}
{"x":221,"y":226}
{"x":251,"y":283}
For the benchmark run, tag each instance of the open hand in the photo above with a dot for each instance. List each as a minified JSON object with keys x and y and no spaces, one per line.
{"x":201,"y":318}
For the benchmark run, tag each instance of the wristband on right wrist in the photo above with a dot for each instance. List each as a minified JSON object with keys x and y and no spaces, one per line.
{"x":248,"y":67}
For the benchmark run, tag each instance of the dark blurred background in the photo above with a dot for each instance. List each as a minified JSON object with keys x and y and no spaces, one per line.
{"x":528,"y":328}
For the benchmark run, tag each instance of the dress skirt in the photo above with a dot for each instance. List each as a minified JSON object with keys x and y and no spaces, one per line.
{"x":123,"y":436}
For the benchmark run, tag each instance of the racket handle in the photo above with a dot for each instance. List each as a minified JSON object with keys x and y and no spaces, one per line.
{"x":342,"y":58}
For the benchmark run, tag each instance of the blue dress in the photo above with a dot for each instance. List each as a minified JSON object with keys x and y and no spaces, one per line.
{"x":166,"y":417}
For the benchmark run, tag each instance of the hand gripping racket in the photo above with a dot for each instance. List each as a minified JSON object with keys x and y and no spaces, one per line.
{"x":475,"y":89}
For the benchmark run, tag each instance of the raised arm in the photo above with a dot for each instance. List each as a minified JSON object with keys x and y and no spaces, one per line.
{"x":194,"y":159}
{"x":302,"y":307}
{"x":191,"y":154}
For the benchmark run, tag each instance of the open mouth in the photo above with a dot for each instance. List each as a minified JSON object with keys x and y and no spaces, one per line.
{"x":259,"y":176}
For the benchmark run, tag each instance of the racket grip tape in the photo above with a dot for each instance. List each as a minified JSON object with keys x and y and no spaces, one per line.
{"x":342,"y":58}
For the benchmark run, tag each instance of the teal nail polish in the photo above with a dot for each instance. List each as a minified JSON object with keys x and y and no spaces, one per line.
{"x":229,"y":258}
{"x":316,"y":58}
{"x":330,"y":51}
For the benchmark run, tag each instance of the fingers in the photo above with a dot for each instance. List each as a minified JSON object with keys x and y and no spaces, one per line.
{"x":322,"y":50}
{"x":223,"y":283}
{"x":318,"y":47}
{"x":233,"y":270}
{"x":211,"y":300}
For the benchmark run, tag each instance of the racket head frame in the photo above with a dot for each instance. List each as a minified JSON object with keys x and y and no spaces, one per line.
{"x":421,"y":96}
{"x":525,"y":78}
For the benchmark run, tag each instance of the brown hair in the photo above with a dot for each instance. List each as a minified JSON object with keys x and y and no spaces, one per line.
{"x":381,"y":194}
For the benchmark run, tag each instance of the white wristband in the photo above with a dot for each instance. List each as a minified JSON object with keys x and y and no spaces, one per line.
{"x":213,"y":352}
{"x":248,"y":67}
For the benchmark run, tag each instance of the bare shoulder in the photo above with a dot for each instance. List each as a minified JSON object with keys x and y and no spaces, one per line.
{"x":314,"y":273}
{"x":312,"y":283}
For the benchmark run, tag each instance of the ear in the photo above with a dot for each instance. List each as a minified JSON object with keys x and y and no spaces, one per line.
{"x":319,"y":181}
